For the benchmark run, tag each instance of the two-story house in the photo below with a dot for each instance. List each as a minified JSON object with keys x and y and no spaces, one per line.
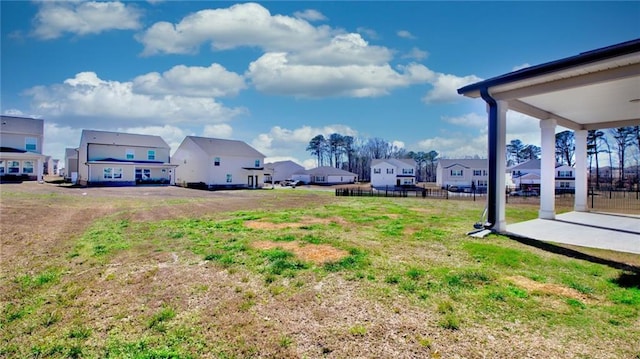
{"x":527,"y":175}
{"x":462,"y":174}
{"x":123,"y":159}
{"x":393,"y":172}
{"x":214,"y":163}
{"x":21,"y":141}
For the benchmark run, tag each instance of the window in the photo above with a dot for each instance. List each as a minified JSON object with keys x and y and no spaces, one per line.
{"x":565,"y":184}
{"x":151,"y":155}
{"x":117,"y":173}
{"x":229,"y":178}
{"x":31,"y":144}
{"x":407,"y":171}
{"x":143,"y":174}
{"x":482,"y":183}
{"x":27,"y":167}
{"x":456,"y":173}
{"x":477,"y":172}
{"x":377,"y":170}
{"x":389,"y":171}
{"x":216,"y":161}
{"x":407,"y":181}
{"x":13,"y":167}
{"x":1,"y":167}
{"x":131,"y":154}
{"x":257,"y":163}
{"x":484,"y":172}
{"x":565,"y":173}
{"x":107,"y":173}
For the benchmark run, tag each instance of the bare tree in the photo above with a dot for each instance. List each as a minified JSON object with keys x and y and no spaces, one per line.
{"x":595,"y":140}
{"x":317,"y":147}
{"x":624,"y":138}
{"x":565,"y":147}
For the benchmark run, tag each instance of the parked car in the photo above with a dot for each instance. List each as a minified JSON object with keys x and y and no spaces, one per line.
{"x":524,"y":193}
{"x":290,"y":183}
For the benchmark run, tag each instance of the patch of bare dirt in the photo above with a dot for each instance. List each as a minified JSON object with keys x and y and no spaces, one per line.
{"x":549,"y":288}
{"x":316,"y":253}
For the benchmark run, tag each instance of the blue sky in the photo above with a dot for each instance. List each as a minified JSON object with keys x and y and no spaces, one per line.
{"x":275,"y":74}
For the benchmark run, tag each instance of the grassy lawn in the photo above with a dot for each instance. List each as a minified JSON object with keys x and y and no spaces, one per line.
{"x":296,"y":274}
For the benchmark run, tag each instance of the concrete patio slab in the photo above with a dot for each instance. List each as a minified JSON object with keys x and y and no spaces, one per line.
{"x":587,"y":229}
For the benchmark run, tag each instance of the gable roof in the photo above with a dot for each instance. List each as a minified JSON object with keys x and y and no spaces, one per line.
{"x":272,"y":165}
{"x":468,"y":163}
{"x":222,"y":147}
{"x":327,"y":171}
{"x":533,"y":164}
{"x":122,"y":139}
{"x":397,"y":162}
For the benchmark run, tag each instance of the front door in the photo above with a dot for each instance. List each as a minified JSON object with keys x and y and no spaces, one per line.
{"x":250,"y":181}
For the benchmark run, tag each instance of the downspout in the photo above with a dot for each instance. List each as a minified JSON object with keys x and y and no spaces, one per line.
{"x":492,"y":196}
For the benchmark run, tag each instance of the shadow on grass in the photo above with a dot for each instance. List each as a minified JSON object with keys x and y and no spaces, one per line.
{"x":629,"y":279}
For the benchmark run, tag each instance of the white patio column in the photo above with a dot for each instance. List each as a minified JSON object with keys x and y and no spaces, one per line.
{"x":501,"y":167}
{"x":548,"y":169}
{"x":580,"y":170}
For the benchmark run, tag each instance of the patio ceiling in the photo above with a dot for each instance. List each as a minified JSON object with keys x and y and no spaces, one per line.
{"x":593,"y":90}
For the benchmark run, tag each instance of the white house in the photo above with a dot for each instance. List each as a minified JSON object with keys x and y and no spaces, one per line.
{"x":214,"y":163}
{"x":21,"y":141}
{"x":325,"y":175}
{"x":393,"y":172}
{"x":279,"y":171}
{"x":528,"y":175}
{"x":462,"y":174}
{"x":123,"y":159}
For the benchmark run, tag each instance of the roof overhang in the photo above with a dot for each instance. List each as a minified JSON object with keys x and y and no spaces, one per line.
{"x":593,"y":90}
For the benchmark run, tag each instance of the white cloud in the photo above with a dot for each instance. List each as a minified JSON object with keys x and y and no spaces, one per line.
{"x":57,"y":138}
{"x":470,"y":120}
{"x":405,"y":34}
{"x":247,"y":24}
{"x":398,"y":144}
{"x":195,"y":81}
{"x":86,"y":96}
{"x":520,"y":67}
{"x":272,"y":73}
{"x":54,"y":18}
{"x":310,"y":15}
{"x":221,"y":130}
{"x":456,"y":145}
{"x":416,"y":54}
{"x":445,"y":88}
{"x":370,"y":33}
{"x":283,"y":142}
{"x":343,"y":49}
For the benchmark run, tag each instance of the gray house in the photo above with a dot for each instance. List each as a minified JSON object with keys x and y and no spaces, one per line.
{"x":21,"y":141}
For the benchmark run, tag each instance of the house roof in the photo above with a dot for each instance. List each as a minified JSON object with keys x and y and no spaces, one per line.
{"x":71,"y":152}
{"x":122,"y":139}
{"x":468,"y":163}
{"x":272,"y":165}
{"x":327,"y":171}
{"x":222,"y":147}
{"x":397,"y":162}
{"x":533,"y":164}
{"x":606,"y":79}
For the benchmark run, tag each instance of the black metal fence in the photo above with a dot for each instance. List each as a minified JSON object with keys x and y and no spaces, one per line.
{"x":408,"y":192}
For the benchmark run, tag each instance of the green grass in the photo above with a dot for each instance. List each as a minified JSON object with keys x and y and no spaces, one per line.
{"x":394,"y":251}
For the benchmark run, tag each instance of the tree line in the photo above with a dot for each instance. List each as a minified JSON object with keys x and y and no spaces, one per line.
{"x":356,"y":155}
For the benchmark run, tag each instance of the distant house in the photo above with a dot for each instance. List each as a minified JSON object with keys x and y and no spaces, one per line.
{"x":463,"y":174}
{"x":122,"y":159}
{"x":526,"y":175}
{"x":325,"y":175}
{"x":51,"y":166}
{"x":279,"y":171}
{"x":214,"y":163}
{"x":21,"y":142}
{"x":71,"y":165}
{"x":393,"y":172}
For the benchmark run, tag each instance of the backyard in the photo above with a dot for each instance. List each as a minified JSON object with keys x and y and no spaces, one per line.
{"x":168,"y":272}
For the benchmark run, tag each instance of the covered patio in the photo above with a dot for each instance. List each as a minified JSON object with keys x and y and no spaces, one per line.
{"x":594,"y":90}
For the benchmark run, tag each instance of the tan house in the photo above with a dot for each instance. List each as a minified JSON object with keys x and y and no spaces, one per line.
{"x":123,"y":159}
{"x":71,"y":164}
{"x":21,"y":141}
{"x":213,"y":163}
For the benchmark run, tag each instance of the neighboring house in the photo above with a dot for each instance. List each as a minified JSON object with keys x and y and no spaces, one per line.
{"x":526,"y":175}
{"x":71,"y":165}
{"x":325,"y":175}
{"x":463,"y":174}
{"x":123,"y":159}
{"x":279,"y":171}
{"x":51,"y":166}
{"x":393,"y":172}
{"x":214,"y":163}
{"x":21,"y":141}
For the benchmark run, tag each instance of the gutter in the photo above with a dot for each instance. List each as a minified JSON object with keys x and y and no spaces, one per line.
{"x":492,"y":188}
